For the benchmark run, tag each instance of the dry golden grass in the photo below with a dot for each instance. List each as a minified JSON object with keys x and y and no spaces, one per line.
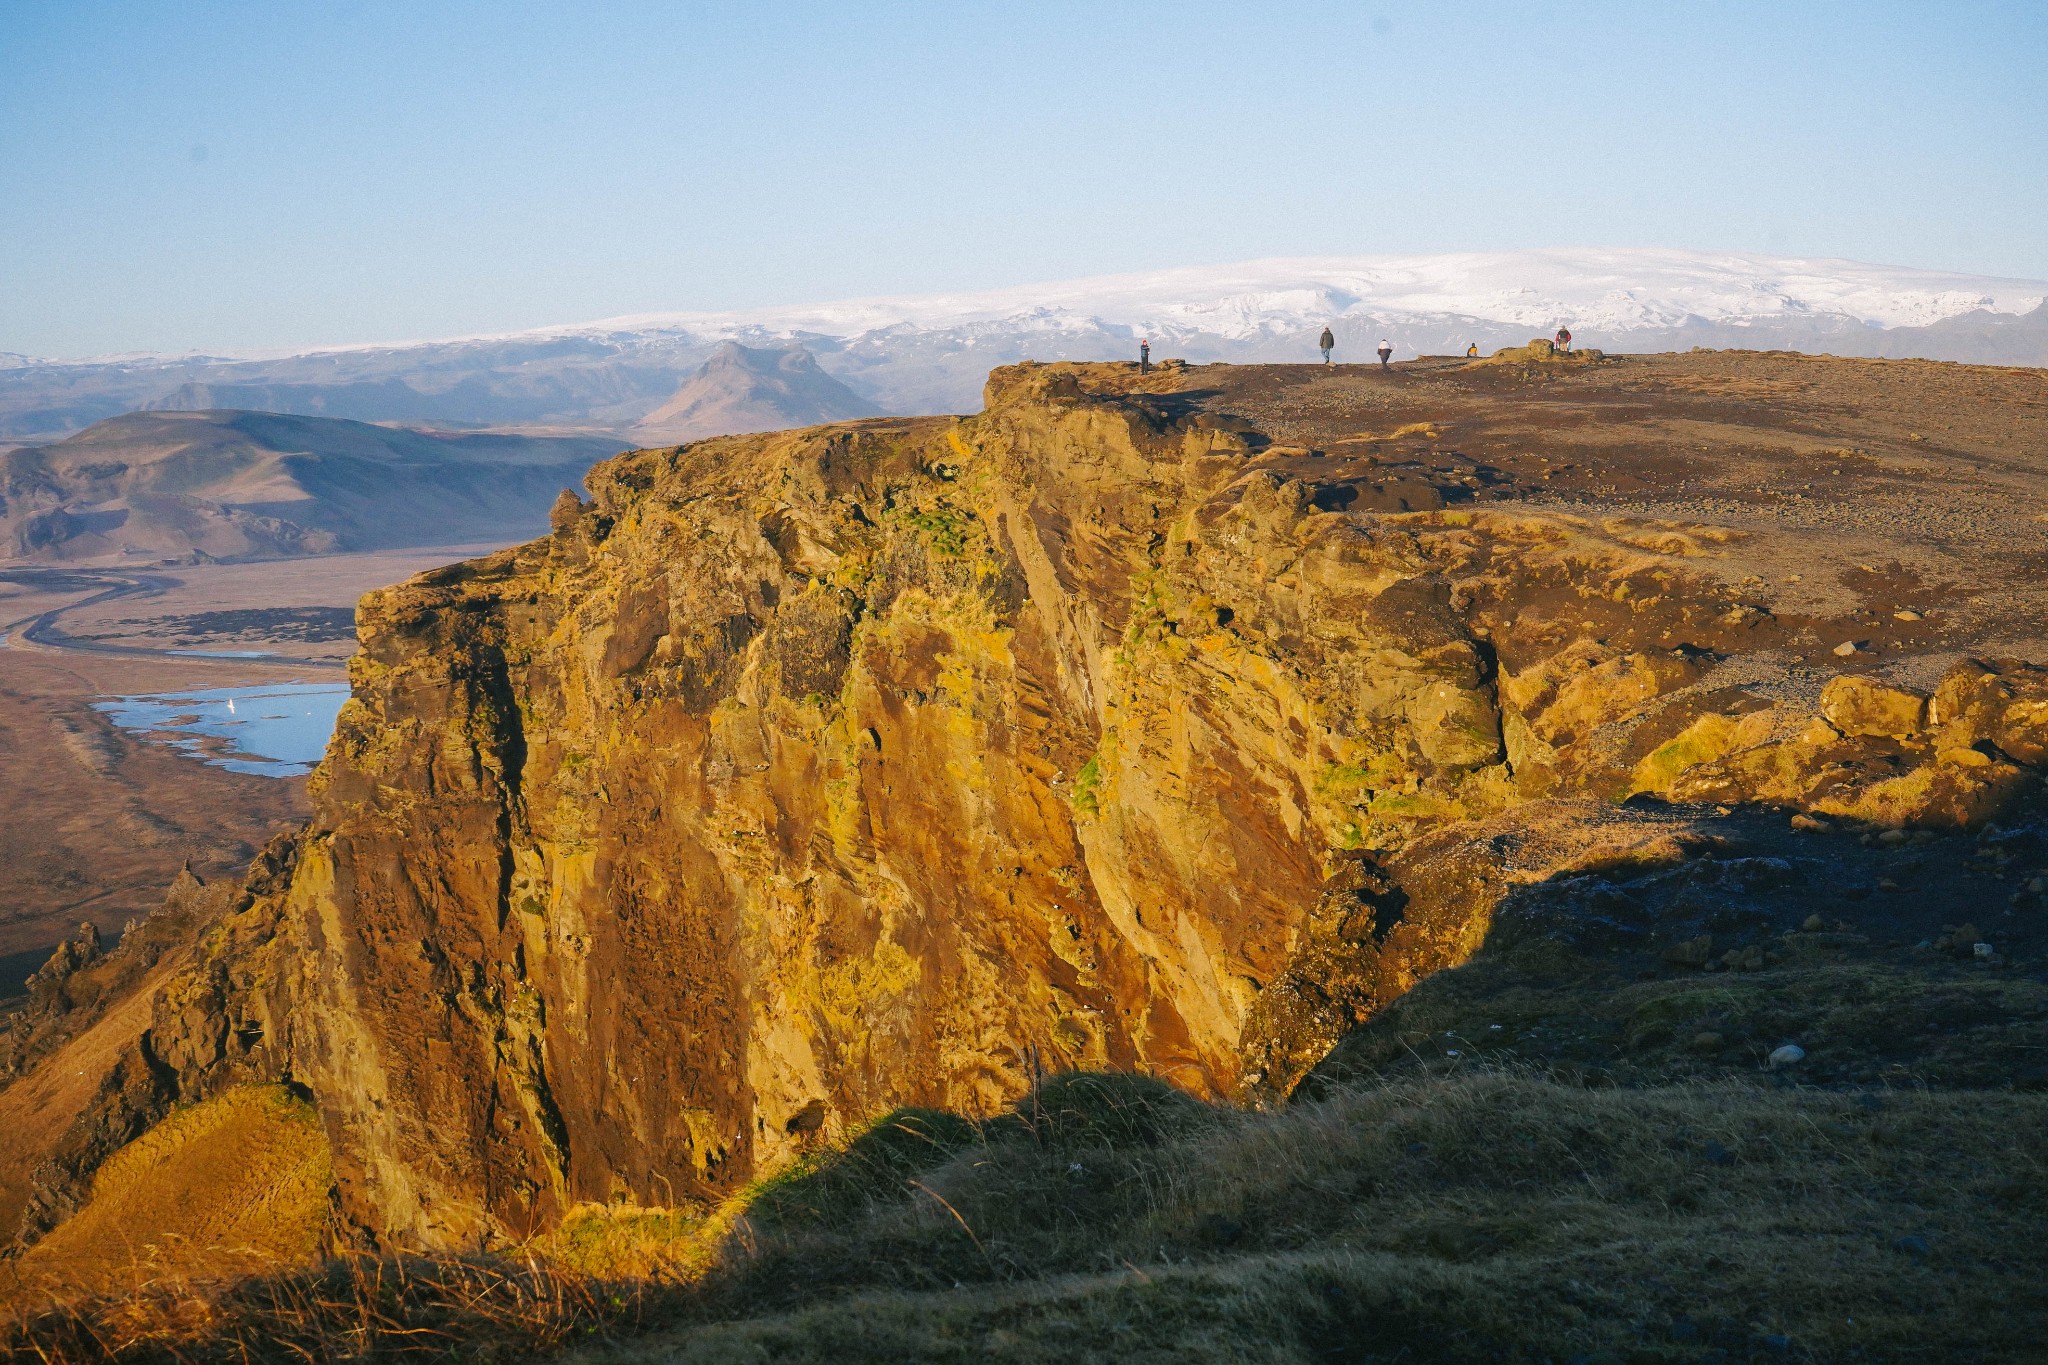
{"x":1485,"y":1216}
{"x":236,"y":1184}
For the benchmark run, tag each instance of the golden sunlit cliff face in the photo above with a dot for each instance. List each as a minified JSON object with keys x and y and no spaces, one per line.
{"x":796,"y":777}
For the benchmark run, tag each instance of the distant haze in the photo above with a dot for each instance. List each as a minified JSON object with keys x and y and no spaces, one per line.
{"x":930,"y":353}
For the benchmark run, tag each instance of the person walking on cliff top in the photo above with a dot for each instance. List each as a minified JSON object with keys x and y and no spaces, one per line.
{"x":1145,"y":357}
{"x":1328,"y":343}
{"x":1386,"y":352}
{"x":1564,"y":340}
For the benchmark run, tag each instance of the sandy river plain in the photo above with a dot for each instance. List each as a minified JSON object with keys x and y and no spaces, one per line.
{"x":96,"y":821}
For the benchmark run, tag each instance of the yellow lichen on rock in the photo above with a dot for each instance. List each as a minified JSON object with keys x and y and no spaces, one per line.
{"x":1862,"y":706}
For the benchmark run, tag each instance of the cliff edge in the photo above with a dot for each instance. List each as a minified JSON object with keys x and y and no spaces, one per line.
{"x":1175,"y":723}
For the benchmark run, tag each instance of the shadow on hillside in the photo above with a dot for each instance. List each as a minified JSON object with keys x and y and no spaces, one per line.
{"x":1884,"y":960}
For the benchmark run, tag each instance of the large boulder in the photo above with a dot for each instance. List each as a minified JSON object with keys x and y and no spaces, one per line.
{"x":1857,"y":705}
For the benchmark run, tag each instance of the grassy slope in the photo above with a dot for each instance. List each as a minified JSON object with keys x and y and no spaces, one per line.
{"x":1484,"y":1215}
{"x":238,"y":1182}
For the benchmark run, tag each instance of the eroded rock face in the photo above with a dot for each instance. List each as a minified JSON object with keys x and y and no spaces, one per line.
{"x":797,"y":777}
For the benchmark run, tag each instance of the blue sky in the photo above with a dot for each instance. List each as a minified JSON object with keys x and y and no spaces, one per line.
{"x":224,"y":176}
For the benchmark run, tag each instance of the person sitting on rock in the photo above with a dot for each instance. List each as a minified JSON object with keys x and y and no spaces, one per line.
{"x":1472,"y":351}
{"x":1564,"y":340}
{"x":1328,"y":343}
{"x":1386,"y":352}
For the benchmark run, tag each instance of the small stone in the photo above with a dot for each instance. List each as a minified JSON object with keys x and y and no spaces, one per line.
{"x":1809,"y":824}
{"x":1750,"y":959}
{"x":1912,"y":1246}
{"x":1706,"y":1042}
{"x":1789,"y":1055}
{"x":1983,"y":950}
{"x":2039,"y":886}
{"x":1893,"y":837}
{"x":1814,"y":924}
{"x":1846,"y":648}
{"x":1887,"y":884}
{"x":1694,"y":952}
{"x":1905,"y":616}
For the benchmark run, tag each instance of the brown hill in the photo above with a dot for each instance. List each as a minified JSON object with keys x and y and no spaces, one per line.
{"x":741,"y":389}
{"x":256,"y":484}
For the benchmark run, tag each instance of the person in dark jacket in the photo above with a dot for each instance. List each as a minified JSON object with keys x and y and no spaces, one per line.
{"x":1564,"y":340}
{"x":1328,"y":343}
{"x":1145,"y":357}
{"x":1386,"y":352}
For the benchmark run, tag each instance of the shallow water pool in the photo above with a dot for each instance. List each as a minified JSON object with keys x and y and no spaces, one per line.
{"x":274,"y":730}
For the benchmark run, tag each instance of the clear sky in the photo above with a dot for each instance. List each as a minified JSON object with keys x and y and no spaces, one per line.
{"x":225,"y":176}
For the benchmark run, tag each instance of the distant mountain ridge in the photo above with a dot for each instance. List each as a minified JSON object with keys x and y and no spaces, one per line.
{"x":742,"y":389}
{"x":230,"y":484}
{"x":930,"y":353}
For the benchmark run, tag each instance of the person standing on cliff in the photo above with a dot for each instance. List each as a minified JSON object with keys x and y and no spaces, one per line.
{"x":1386,"y":352}
{"x":1472,"y":350}
{"x":1328,"y":343}
{"x":1145,"y":357}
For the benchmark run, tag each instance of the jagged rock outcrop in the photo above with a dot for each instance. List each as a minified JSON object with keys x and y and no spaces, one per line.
{"x":796,"y":777}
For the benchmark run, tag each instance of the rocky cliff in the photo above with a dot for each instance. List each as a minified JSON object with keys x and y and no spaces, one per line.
{"x":1164,"y":722}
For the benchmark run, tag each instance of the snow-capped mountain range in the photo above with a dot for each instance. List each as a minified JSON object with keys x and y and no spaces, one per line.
{"x":1608,"y":291}
{"x":929,"y":353}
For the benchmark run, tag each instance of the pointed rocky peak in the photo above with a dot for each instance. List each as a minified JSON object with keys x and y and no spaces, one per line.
{"x":744,"y":388}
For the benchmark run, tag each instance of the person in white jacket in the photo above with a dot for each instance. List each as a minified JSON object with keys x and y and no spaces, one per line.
{"x":1386,"y":352}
